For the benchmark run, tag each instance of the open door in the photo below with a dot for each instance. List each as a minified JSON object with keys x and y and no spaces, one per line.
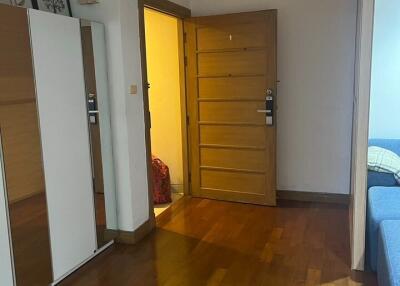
{"x":231,"y":84}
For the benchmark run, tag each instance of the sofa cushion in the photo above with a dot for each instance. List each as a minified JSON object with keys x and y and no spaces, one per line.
{"x":380,"y":179}
{"x":383,"y":204}
{"x":389,"y":253}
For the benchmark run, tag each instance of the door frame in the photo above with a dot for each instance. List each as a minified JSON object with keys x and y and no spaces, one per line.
{"x":179,"y":12}
{"x":359,"y":170}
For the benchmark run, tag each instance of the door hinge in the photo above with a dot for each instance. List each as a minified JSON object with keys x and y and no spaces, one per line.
{"x":184,"y":37}
{"x":185,"y":60}
{"x":187,"y":120}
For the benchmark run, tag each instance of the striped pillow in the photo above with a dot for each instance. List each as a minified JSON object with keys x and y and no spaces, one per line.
{"x":384,"y":161}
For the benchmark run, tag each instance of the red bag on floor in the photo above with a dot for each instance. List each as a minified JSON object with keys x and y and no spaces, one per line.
{"x":161,"y":182}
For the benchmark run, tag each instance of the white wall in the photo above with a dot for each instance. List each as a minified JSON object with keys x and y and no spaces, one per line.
{"x":316,"y":51}
{"x":126,"y":111}
{"x":185,"y":3}
{"x":385,"y":83}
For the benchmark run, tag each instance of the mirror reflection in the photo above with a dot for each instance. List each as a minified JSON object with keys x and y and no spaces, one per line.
{"x":94,"y":58}
{"x":22,"y":156}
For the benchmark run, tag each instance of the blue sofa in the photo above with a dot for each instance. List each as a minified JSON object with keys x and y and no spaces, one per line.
{"x":383,"y":221}
{"x":383,"y":204}
{"x":389,"y":253}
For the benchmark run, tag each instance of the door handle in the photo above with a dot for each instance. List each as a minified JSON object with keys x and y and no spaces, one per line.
{"x":92,"y":108}
{"x":269,"y":108}
{"x":264,"y":111}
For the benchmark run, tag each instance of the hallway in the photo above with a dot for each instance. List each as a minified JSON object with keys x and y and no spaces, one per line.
{"x":205,"y":242}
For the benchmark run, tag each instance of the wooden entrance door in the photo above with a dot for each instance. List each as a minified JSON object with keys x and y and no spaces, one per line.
{"x":231,"y":70}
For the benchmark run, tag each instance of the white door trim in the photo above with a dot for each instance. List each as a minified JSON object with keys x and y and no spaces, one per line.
{"x":360,"y":132}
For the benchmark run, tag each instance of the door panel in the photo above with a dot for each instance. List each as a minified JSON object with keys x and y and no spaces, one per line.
{"x":22,"y":172}
{"x":231,"y":112}
{"x":233,"y":181}
{"x":249,"y":137}
{"x":231,"y":36}
{"x":233,"y":158}
{"x":231,"y":65}
{"x":232,"y":31}
{"x":235,"y":88}
{"x":65,"y":139}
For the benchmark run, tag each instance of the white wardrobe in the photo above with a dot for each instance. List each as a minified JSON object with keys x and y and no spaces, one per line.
{"x":62,"y":112}
{"x":59,"y":103}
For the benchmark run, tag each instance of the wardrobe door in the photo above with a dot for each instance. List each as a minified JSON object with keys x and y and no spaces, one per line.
{"x":58,"y":66}
{"x":6,"y":265}
{"x":22,"y":167}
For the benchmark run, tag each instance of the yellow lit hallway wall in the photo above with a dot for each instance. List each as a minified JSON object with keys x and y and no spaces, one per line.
{"x":164,"y":94}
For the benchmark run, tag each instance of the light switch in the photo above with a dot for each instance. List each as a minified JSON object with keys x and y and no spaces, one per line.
{"x":133,"y":89}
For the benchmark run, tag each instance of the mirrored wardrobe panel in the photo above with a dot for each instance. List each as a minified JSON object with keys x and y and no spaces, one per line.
{"x":95,"y":67}
{"x":22,"y":155}
{"x":57,"y":181}
{"x":6,"y":260}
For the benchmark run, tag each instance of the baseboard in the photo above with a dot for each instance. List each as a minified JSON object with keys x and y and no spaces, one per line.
{"x":133,"y":237}
{"x":110,"y":234}
{"x":313,"y":197}
{"x":178,"y":188}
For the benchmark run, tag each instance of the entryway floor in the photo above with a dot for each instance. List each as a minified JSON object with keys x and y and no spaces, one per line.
{"x":207,"y":242}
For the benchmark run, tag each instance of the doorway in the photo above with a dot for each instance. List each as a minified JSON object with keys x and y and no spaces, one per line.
{"x":228,"y":113}
{"x":166,"y":95}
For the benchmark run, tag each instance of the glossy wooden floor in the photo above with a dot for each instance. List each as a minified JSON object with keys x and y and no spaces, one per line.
{"x":204,"y":242}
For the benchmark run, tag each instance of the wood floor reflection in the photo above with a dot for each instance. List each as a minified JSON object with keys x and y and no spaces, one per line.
{"x":100,"y":219}
{"x":31,"y":243}
{"x":205,"y":242}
